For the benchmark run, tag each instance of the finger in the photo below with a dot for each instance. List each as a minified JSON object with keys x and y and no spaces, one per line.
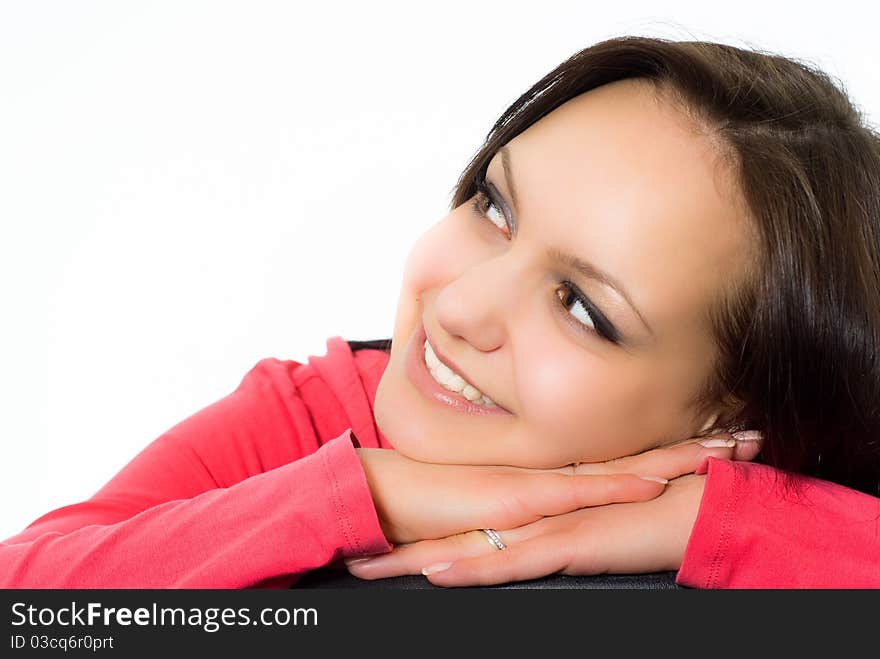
{"x":411,"y":558}
{"x":667,"y":462}
{"x":540,"y":495}
{"x":531,"y":559}
{"x":748,"y":444}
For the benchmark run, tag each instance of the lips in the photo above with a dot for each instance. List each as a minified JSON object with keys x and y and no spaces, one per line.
{"x":452,"y":367}
{"x":418,"y":373}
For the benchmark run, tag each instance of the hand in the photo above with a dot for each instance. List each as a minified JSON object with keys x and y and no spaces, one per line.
{"x":624,"y":538}
{"x":418,"y":500}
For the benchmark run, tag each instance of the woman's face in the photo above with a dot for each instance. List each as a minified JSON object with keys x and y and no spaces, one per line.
{"x":620,"y":182}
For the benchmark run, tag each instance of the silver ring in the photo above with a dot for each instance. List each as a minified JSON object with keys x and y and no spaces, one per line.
{"x":494,"y":539}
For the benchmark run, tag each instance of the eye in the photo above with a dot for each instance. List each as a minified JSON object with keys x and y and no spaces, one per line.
{"x":486,"y":206}
{"x":582,"y":311}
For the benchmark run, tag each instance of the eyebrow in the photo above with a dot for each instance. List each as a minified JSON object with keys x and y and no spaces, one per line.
{"x":585,"y":268}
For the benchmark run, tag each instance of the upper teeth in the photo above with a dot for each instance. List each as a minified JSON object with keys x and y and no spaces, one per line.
{"x":452,"y":381}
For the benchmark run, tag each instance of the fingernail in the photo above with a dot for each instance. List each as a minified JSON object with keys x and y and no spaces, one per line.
{"x":748,"y":436}
{"x":437,"y":567}
{"x":656,"y":479}
{"x":718,"y":443}
{"x":354,"y":561}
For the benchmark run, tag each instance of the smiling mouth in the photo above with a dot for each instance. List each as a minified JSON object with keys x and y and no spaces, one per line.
{"x":452,"y":381}
{"x":431,"y":386}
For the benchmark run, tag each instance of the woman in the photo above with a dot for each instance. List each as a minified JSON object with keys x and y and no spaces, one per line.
{"x":781,"y":260}
{"x":658,"y":243}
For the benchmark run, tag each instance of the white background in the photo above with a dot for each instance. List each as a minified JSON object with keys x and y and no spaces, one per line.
{"x":188,"y":187}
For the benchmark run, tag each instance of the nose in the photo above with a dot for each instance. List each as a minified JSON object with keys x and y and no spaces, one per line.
{"x":477,"y":306}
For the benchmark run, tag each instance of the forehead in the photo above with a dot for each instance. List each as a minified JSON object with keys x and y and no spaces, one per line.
{"x":622,"y":179}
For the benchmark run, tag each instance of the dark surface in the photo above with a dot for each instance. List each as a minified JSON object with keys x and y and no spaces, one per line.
{"x":340,"y":578}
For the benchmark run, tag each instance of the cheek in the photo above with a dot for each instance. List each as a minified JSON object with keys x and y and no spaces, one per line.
{"x":437,"y":256}
{"x":424,"y":269}
{"x":423,"y":264}
{"x":586,"y":409}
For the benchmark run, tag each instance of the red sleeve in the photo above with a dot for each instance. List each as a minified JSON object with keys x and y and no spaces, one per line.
{"x":237,"y":494}
{"x":752,"y":531}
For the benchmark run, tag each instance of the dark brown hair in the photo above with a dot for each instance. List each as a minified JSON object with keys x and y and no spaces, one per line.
{"x":798,"y":334}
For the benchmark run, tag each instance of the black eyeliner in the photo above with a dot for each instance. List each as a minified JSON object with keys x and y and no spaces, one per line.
{"x":497,"y":198}
{"x":605,"y":328}
{"x":485,"y":189}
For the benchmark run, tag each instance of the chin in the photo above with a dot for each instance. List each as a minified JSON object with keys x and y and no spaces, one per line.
{"x":396,"y":427}
{"x":409,"y":436}
{"x":405,"y":435}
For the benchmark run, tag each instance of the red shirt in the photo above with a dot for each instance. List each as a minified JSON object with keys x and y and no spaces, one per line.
{"x":265,"y":484}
